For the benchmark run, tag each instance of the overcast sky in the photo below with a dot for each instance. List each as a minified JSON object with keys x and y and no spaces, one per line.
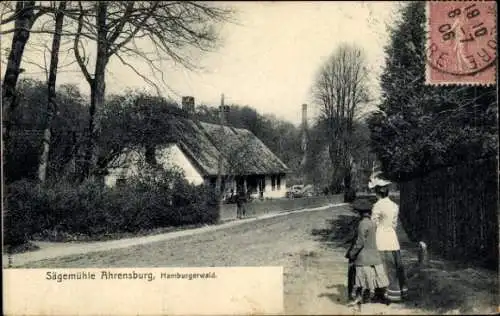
{"x":269,"y":58}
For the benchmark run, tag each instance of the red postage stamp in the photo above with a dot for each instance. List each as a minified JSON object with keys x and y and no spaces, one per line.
{"x":461,"y":42}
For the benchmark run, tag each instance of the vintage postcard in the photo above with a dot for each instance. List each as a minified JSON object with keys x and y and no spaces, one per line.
{"x":249,"y":158}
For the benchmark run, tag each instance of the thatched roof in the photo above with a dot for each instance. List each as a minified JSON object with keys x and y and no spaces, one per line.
{"x":241,"y":151}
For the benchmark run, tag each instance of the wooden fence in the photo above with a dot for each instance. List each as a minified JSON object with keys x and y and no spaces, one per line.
{"x":455,"y":211}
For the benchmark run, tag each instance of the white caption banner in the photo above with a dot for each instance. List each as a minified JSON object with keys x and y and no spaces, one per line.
{"x":143,"y":291}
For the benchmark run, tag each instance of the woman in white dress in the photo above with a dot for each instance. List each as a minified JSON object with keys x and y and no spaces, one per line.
{"x":385,"y":215}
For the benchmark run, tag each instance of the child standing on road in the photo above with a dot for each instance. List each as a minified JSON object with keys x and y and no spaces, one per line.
{"x":365,"y":257}
{"x":240,"y":205}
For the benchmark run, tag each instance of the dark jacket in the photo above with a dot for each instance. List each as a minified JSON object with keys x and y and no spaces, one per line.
{"x":353,"y":227}
{"x":363,"y":250}
{"x":240,"y":199}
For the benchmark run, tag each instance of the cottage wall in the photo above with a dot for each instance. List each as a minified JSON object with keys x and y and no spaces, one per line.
{"x":169,"y":157}
{"x":278,"y":192}
{"x":268,"y":189}
{"x":172,"y":156}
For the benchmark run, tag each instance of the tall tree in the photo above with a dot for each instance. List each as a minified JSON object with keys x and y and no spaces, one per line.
{"x":51,"y":91}
{"x":339,"y":91}
{"x":171,"y":28}
{"x":24,"y":16}
{"x":29,"y":118}
{"x":420,"y":127}
{"x":441,"y":144}
{"x":318,"y":163}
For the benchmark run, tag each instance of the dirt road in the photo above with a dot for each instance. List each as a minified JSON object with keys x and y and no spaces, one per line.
{"x":313,"y":261}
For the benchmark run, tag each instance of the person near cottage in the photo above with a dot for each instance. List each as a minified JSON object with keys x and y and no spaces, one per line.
{"x":240,"y":204}
{"x":385,"y":216}
{"x":365,"y":258}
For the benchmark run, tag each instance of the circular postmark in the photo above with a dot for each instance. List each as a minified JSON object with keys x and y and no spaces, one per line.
{"x":462,"y":36}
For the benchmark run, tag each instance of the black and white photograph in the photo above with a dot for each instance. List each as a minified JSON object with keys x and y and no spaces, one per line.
{"x":260,"y":157}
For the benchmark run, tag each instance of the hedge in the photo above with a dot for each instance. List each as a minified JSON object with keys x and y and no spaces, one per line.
{"x":91,"y":210}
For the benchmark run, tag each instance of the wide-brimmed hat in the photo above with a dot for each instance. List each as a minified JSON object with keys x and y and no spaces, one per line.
{"x":376,"y":180}
{"x":362,"y":205}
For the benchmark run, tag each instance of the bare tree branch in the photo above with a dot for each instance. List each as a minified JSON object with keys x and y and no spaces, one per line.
{"x":121,"y":22}
{"x":76,"y":49}
{"x":132,"y":34}
{"x":40,"y":9}
{"x":174,"y":28}
{"x":145,"y":78}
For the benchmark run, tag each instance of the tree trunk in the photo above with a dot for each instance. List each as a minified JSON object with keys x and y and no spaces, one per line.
{"x":97,"y":89}
{"x":347,"y":179}
{"x":51,"y":85}
{"x":23,"y":24}
{"x":348,"y":172}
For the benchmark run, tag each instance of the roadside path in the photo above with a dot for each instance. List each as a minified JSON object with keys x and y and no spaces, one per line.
{"x":308,"y":244}
{"x":51,"y":250}
{"x":314,"y":268}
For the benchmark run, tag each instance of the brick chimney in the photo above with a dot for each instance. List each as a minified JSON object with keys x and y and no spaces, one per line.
{"x":305,"y":140}
{"x":304,"y":128}
{"x":304,"y":116}
{"x":188,"y":104}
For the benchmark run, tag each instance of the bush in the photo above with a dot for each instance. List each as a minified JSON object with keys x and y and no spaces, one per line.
{"x":22,"y":199}
{"x":195,"y":204}
{"x":65,"y":210}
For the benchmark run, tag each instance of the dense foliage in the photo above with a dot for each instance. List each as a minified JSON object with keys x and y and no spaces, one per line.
{"x":440,"y":143}
{"x":21,"y":160}
{"x":319,"y":165}
{"x":132,"y":119}
{"x":420,"y":127}
{"x":61,"y":211}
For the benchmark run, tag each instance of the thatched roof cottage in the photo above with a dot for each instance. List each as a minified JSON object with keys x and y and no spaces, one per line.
{"x":201,"y":149}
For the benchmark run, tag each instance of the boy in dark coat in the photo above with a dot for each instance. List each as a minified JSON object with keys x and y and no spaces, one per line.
{"x":365,"y":257}
{"x":240,"y":204}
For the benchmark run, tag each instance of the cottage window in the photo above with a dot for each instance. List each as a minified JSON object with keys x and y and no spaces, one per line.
{"x":273,"y":183}
{"x":278,"y":182}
